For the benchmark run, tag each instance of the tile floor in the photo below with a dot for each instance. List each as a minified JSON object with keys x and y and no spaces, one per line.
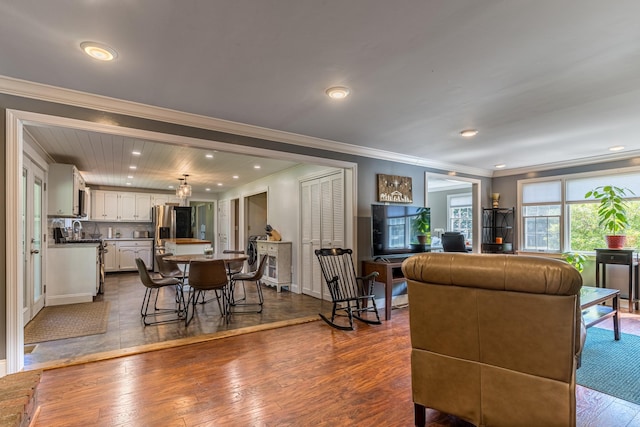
{"x":125,"y":330}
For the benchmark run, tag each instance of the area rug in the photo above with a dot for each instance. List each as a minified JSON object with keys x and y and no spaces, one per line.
{"x":68,"y":321}
{"x":611,"y":366}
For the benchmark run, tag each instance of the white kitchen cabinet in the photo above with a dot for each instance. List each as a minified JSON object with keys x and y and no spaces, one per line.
{"x":143,"y":207}
{"x":129,"y":250}
{"x":64,"y":185}
{"x":163,"y":199}
{"x":278,"y":270}
{"x":111,"y":256}
{"x":72,"y":274}
{"x":120,"y":206}
{"x":104,"y":205}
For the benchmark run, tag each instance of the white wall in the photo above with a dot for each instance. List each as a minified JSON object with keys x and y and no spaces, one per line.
{"x":283,"y":204}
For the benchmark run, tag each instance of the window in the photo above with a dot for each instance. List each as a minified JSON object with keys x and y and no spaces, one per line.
{"x":460,"y":214}
{"x":549,"y":207}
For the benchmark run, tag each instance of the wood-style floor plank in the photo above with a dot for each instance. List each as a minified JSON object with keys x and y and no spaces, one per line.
{"x":302,"y":375}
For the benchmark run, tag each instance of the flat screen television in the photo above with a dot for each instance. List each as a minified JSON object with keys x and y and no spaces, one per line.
{"x":394,"y":230}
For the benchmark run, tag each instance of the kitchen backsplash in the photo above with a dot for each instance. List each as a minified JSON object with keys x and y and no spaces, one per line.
{"x":125,"y":229}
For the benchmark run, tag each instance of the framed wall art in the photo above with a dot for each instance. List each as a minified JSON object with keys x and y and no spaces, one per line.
{"x":395,"y":189}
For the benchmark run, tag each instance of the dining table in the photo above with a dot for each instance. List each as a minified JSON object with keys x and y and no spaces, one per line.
{"x":186,"y":259}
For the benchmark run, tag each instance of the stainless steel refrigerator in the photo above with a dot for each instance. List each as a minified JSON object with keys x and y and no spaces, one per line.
{"x":171,"y":222}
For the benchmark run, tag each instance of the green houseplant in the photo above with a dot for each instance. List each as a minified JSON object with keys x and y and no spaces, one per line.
{"x":422,"y":225}
{"x":612,"y":212}
{"x":576,"y":259}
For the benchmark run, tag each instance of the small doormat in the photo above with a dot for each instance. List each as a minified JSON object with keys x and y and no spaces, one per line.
{"x":68,"y":321}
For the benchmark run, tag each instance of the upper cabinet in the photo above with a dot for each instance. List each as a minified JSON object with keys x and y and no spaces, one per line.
{"x":124,"y":206}
{"x":64,"y":187}
{"x":163,"y":199}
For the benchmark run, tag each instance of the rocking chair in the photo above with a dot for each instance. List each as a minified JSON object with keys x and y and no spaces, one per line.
{"x":348,"y":292}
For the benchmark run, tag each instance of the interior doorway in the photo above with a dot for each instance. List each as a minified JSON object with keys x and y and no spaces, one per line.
{"x":204,"y":221}
{"x":255,"y":214}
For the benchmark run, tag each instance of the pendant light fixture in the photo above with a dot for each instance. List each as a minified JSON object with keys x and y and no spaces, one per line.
{"x":184,"y":189}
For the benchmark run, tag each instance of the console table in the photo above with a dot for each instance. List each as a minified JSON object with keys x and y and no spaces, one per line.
{"x":389,"y":273}
{"x":620,"y":257}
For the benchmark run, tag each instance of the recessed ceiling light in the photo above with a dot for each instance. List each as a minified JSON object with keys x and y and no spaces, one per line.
{"x":256,"y":167}
{"x":209,"y":156}
{"x":171,"y":187}
{"x":468,"y":133}
{"x":99,"y":51}
{"x":235,"y":177}
{"x":135,"y":153}
{"x":338,"y":92}
{"x":219,"y":184}
{"x":616,"y":148}
{"x":207,"y":189}
{"x":128,"y":183}
{"x":130,"y":177}
{"x":500,"y":166}
{"x":133,"y":167}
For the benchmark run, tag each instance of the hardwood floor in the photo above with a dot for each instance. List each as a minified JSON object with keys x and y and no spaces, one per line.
{"x":303,"y":375}
{"x":126,"y":333}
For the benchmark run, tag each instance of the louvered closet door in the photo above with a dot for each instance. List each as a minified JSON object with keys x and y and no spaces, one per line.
{"x":310,"y":277}
{"x":322,"y":224}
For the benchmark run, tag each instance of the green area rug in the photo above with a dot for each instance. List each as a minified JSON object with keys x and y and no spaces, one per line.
{"x":611,"y":366}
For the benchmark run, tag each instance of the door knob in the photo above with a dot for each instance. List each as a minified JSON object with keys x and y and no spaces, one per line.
{"x":34,"y":251}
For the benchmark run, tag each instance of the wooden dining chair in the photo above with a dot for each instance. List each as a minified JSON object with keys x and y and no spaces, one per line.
{"x":152,"y":284}
{"x":207,"y":276}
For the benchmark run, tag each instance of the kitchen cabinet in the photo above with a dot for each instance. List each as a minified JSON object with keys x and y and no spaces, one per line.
{"x":163,"y":199}
{"x":72,"y":273}
{"x":64,"y":185}
{"x":278,"y":270}
{"x":129,"y":250}
{"x":110,"y":256}
{"x":120,"y":206}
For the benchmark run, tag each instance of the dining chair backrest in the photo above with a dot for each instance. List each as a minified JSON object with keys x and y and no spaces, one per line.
{"x":207,"y":275}
{"x":146,"y":278}
{"x":167,"y":268}
{"x":234,"y":266}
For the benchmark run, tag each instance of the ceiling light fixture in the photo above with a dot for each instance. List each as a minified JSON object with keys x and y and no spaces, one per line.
{"x":130,"y":177}
{"x":136,"y":153}
{"x":338,"y":92}
{"x":256,"y":167}
{"x":184,"y":189}
{"x":133,"y":167}
{"x":500,"y":166}
{"x":616,"y":148}
{"x":468,"y":133}
{"x":207,"y":189}
{"x":235,"y":177}
{"x":99,"y":51}
{"x":209,"y":156}
{"x":219,"y":184}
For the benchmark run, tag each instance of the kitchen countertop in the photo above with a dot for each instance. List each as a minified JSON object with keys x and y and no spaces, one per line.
{"x":73,"y":245}
{"x":127,"y":238}
{"x":188,"y":241}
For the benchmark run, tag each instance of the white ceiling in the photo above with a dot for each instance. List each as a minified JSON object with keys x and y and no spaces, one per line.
{"x":544,"y":81}
{"x":106,"y":160}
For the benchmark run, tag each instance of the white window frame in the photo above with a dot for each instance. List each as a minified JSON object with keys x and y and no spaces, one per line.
{"x":564,"y":214}
{"x":470,"y":206}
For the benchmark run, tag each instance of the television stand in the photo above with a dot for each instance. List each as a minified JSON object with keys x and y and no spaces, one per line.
{"x":389,"y":273}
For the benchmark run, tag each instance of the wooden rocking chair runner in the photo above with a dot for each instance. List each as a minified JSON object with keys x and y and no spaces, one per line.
{"x":349,"y":292}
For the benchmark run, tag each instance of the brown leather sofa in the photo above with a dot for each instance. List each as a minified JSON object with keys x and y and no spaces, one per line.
{"x":495,"y":338}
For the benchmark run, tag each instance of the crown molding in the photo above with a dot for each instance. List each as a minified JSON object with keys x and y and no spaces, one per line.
{"x":32,"y":90}
{"x":569,"y":163}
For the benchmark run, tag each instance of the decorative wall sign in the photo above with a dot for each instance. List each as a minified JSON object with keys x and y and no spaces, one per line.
{"x":393,"y":188}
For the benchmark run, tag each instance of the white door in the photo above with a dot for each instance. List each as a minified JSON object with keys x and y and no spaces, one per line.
{"x":322,"y":226}
{"x":223,"y":225}
{"x":34,"y":232}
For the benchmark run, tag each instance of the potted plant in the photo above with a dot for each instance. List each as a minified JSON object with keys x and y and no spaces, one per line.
{"x":576,"y":259}
{"x":422,"y":225}
{"x":612,"y":213}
